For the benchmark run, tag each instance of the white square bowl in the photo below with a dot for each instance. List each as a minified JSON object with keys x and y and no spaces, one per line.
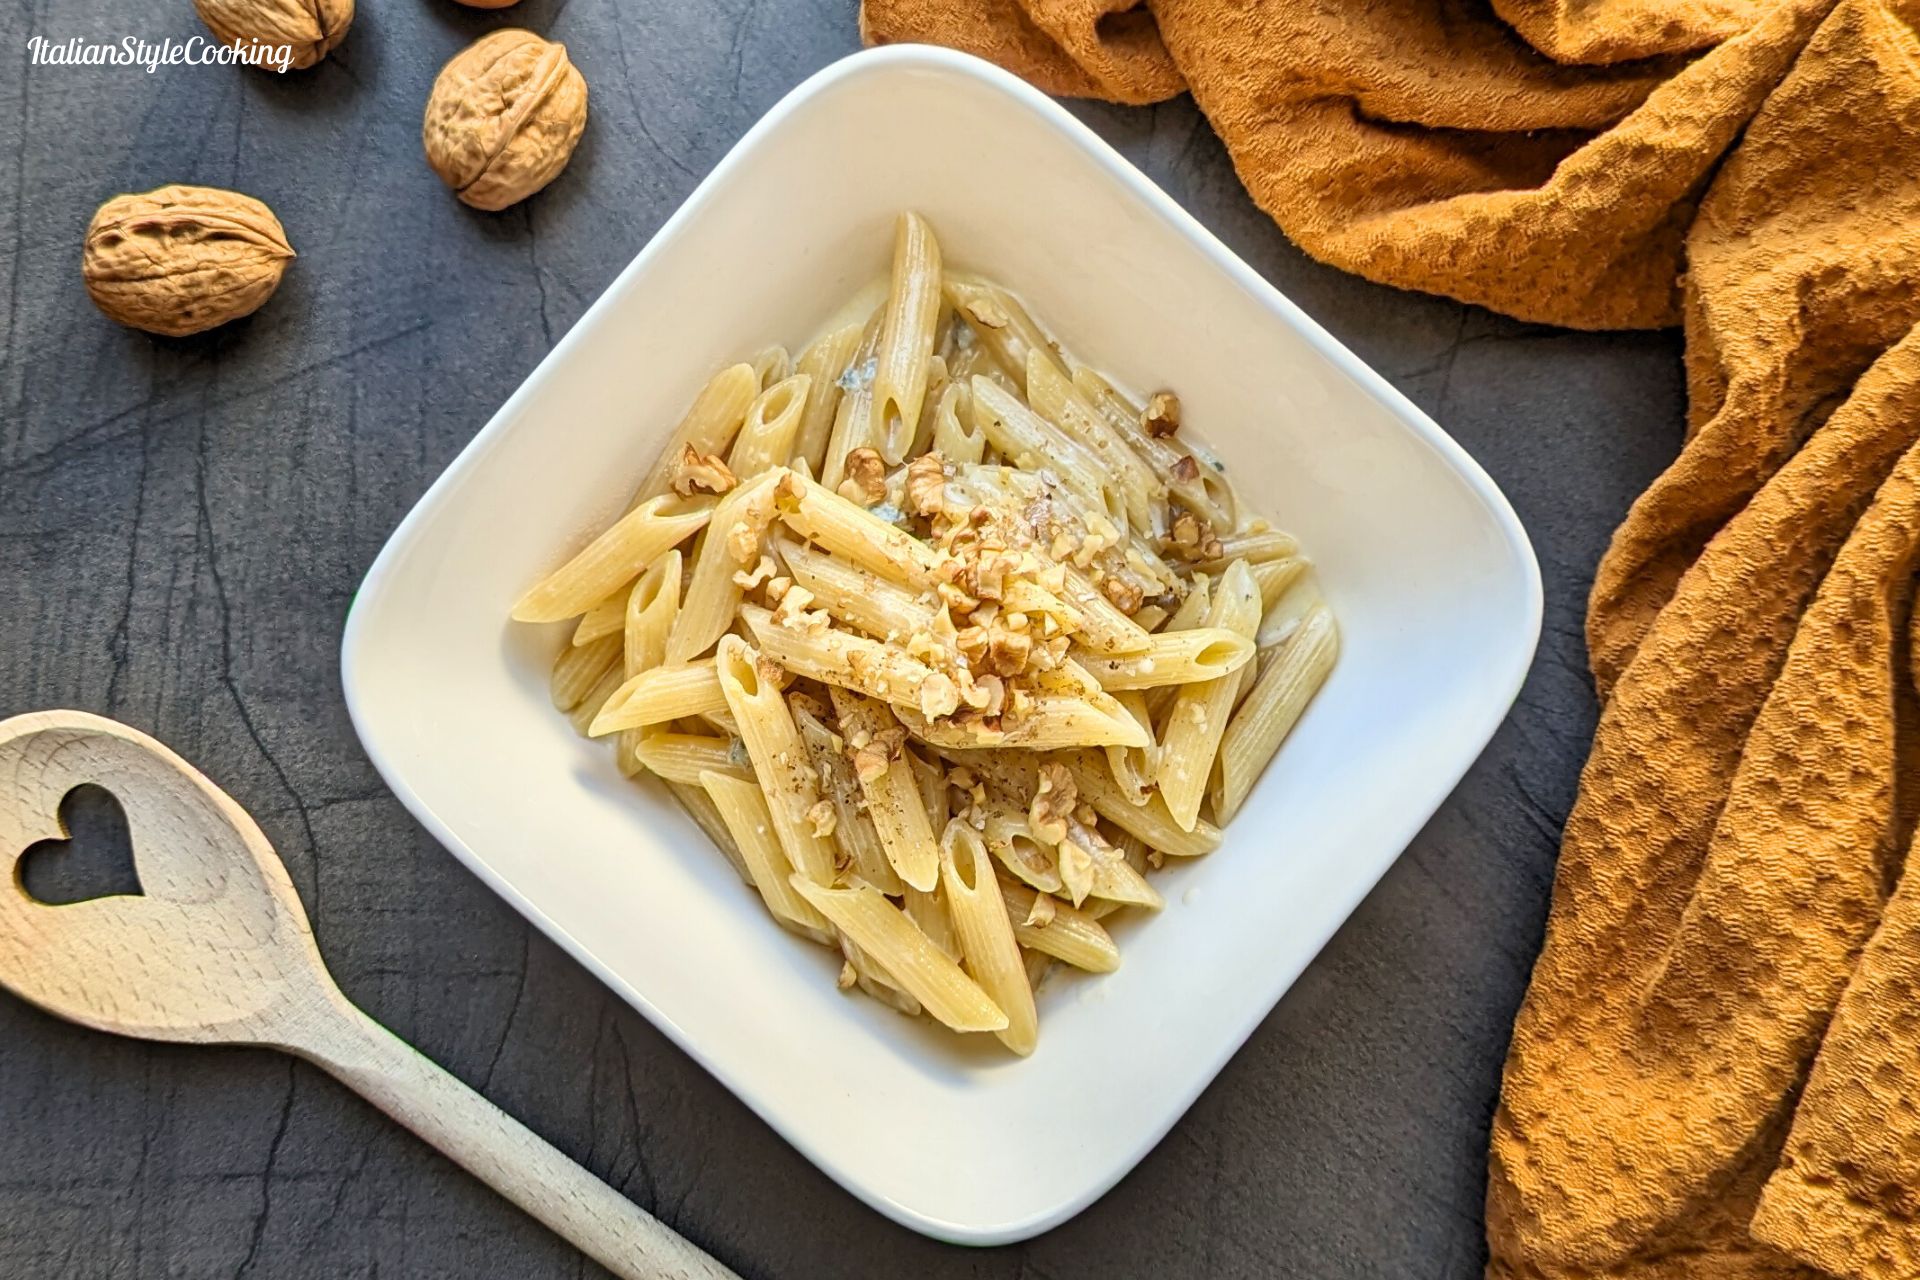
{"x":1433,"y":581}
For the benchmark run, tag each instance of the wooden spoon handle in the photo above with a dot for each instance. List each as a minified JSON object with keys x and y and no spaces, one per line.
{"x":501,"y":1152}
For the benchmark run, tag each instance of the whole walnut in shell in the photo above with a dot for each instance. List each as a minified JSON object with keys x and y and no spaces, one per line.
{"x":504,"y":117}
{"x":309,"y":27}
{"x":180,"y":260}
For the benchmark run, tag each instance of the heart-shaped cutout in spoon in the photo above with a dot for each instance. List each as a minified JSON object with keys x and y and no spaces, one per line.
{"x":217,"y":950}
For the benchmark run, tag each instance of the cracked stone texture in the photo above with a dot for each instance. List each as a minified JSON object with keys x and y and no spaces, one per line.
{"x":182,"y":525}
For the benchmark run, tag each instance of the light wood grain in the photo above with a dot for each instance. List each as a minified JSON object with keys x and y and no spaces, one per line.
{"x":216,"y":949}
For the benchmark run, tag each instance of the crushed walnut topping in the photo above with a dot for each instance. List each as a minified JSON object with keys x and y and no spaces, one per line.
{"x":1162,"y":416}
{"x":939,"y":695}
{"x":866,"y":481}
{"x":1053,"y":802}
{"x":705,"y":472}
{"x":1185,"y":469}
{"x":823,"y":818}
{"x":1041,"y":914}
{"x":1193,"y":539}
{"x":1076,"y":871}
{"x":763,"y":572}
{"x":1126,"y":596}
{"x":926,"y":484}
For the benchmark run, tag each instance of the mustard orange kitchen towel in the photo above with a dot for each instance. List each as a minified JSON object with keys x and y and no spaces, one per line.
{"x":1716,"y":1072}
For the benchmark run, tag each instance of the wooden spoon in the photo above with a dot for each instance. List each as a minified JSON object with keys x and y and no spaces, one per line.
{"x":217,"y":950}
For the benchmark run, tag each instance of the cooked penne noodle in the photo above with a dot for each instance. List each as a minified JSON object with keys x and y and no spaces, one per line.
{"x":906,"y":338}
{"x":921,"y":969}
{"x":1150,"y":821}
{"x":892,"y":791}
{"x":1105,"y":629}
{"x":1135,"y":769}
{"x":651,"y":606}
{"x":1275,"y":578}
{"x":603,"y":619}
{"x":1067,"y":933}
{"x":780,"y":760}
{"x":956,"y":437}
{"x":1173,"y":657}
{"x":770,"y":366}
{"x":855,"y":596}
{"x":1270,"y":711}
{"x":843,"y":659}
{"x":853,"y":416}
{"x":928,"y":910}
{"x":767,"y":436}
{"x":614,"y":558}
{"x":1254,"y":548}
{"x":943,"y":639}
{"x":851,"y":531}
{"x":1198,"y":717}
{"x":979,"y":914}
{"x":578,"y":668}
{"x":583,"y":715}
{"x":708,"y":428}
{"x":745,"y":811}
{"x":683,"y":757}
{"x":1000,"y":324}
{"x":713,"y":593}
{"x":824,"y":363}
{"x":660,"y":694}
{"x":853,"y":828}
{"x":1051,"y":393}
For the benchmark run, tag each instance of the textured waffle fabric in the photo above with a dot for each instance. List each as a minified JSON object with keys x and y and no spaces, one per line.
{"x":1716,"y":1072}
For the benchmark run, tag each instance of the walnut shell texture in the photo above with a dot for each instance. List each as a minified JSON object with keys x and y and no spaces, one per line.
{"x":310,"y":27}
{"x":504,"y":117}
{"x":180,"y":260}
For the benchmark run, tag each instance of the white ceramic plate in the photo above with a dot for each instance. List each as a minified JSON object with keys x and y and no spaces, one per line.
{"x":1433,"y":581}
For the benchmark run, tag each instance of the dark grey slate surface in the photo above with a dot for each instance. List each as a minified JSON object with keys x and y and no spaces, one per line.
{"x":182,"y":525}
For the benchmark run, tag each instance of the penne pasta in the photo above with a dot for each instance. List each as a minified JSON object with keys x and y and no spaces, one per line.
{"x":780,"y":761}
{"x":708,"y":428}
{"x":823,"y":363}
{"x":766,"y":438}
{"x":892,"y":792}
{"x":660,"y":694}
{"x":979,"y":914}
{"x":1173,"y":657}
{"x":731,"y":543}
{"x":614,"y":558}
{"x":1271,"y":709}
{"x":922,"y":969}
{"x":943,"y":639}
{"x":1059,"y":930}
{"x":1198,"y":718}
{"x":745,"y":811}
{"x":906,"y":339}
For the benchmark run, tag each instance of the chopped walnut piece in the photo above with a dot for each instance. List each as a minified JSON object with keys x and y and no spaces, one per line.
{"x":1125,"y":595}
{"x":988,"y":696}
{"x":926,"y":484}
{"x":1042,"y":913}
{"x":866,"y":481}
{"x":822,"y":818}
{"x":1162,"y":417}
{"x":1008,"y":651}
{"x":1185,"y":469}
{"x":939,"y":695}
{"x":870,"y":762}
{"x":763,"y":572}
{"x":1076,"y":871}
{"x":703,"y":471}
{"x":1053,"y":802}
